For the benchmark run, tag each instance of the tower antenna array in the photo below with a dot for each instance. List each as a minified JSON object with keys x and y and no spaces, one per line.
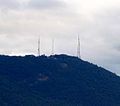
{"x":53,"y":46}
{"x":39,"y":46}
{"x":78,"y":48}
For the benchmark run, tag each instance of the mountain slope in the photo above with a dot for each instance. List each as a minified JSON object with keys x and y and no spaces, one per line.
{"x":58,"y":80}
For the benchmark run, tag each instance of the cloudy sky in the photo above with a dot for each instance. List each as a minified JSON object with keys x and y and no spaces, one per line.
{"x":96,"y":21}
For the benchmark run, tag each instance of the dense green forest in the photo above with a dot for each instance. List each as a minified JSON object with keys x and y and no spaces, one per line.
{"x":58,"y":80}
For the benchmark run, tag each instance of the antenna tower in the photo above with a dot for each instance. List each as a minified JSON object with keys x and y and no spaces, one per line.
{"x":78,"y":48}
{"x":39,"y":46}
{"x":53,"y":46}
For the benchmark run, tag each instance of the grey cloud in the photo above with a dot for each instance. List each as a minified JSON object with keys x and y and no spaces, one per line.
{"x":117,"y":47}
{"x":45,"y":4}
{"x":9,"y":4}
{"x":107,"y":27}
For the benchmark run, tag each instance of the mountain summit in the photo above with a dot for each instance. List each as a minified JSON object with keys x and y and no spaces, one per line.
{"x":58,"y":80}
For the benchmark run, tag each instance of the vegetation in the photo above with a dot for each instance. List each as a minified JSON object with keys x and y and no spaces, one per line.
{"x":58,"y":80}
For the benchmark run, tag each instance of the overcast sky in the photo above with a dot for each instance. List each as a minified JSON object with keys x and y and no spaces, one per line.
{"x":96,"y":21}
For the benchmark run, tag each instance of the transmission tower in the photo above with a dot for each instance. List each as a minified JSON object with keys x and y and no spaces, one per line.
{"x":39,"y":46}
{"x":53,"y":46}
{"x":78,"y":48}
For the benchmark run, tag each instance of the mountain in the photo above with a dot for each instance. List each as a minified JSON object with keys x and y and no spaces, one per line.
{"x":58,"y":80}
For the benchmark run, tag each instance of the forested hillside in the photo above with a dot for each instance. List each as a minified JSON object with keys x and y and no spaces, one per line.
{"x":58,"y":80}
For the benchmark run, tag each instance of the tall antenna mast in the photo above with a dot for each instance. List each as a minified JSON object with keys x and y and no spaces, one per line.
{"x":39,"y":46}
{"x":78,"y":48}
{"x":53,"y":46}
